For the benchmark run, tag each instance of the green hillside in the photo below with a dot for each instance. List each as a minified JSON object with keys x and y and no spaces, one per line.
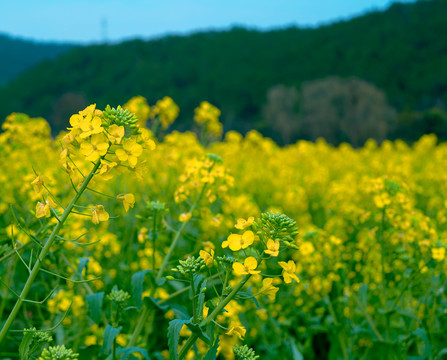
{"x":402,"y":51}
{"x":19,"y":55}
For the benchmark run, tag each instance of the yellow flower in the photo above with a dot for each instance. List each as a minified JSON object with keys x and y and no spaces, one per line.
{"x":269,"y":289}
{"x":128,"y":200}
{"x":208,"y":257}
{"x":38,"y":184}
{"x":115,"y":133}
{"x":272,"y":247}
{"x":243,"y":224}
{"x":43,"y":210}
{"x":97,"y":147}
{"x":106,"y":167}
{"x":99,"y":214}
{"x":289,"y":270}
{"x":129,"y":152}
{"x":438,"y":253}
{"x":90,"y":125}
{"x":184,"y":217}
{"x":250,"y":264}
{"x":237,"y":242}
{"x":238,"y":330}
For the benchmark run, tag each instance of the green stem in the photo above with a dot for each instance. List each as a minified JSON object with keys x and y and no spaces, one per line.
{"x":46,"y":248}
{"x":192,"y":339}
{"x":146,"y":313}
{"x":153,"y":240}
{"x":194,"y":310}
{"x":177,"y":237}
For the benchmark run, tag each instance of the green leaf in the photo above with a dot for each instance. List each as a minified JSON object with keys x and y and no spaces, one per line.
{"x":296,"y":354}
{"x":137,"y":283}
{"x":173,"y":334}
{"x":198,"y":331}
{"x":212,"y":352}
{"x":110,"y":334}
{"x":201,"y":295}
{"x":94,"y":302}
{"x":25,"y":345}
{"x":125,"y":353}
{"x":81,"y":266}
{"x":427,"y":347}
{"x":154,"y":303}
{"x":363,"y":295}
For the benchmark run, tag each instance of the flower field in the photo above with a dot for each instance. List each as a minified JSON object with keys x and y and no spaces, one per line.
{"x":119,"y":240}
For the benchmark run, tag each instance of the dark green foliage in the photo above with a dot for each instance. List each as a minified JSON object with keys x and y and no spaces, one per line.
{"x":400,"y":51}
{"x":19,"y":55}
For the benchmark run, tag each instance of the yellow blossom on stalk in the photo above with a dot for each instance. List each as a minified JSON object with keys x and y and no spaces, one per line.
{"x":272,"y":247}
{"x":250,"y":264}
{"x":208,"y":257}
{"x":167,"y":110}
{"x":438,"y":253}
{"x":237,"y":330}
{"x":128,"y":200}
{"x":115,"y":133}
{"x":43,"y":210}
{"x":99,"y":214}
{"x":243,"y":224}
{"x":106,"y":167}
{"x":237,"y":242}
{"x":38,"y":184}
{"x":184,"y":217}
{"x":142,"y":235}
{"x":88,"y":121}
{"x":269,"y":289}
{"x":97,"y":147}
{"x":289,"y":270}
{"x":129,"y":152}
{"x":146,"y":139}
{"x":138,"y":105}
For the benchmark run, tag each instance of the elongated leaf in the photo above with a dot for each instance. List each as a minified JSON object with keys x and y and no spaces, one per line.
{"x":427,"y":347}
{"x":200,"y":290}
{"x":110,"y":334}
{"x":363,"y":295}
{"x":94,"y":302}
{"x":173,"y":334}
{"x":296,"y":354}
{"x":127,"y":353}
{"x":25,"y":345}
{"x":137,"y":283}
{"x":152,"y":302}
{"x":212,"y":352}
{"x":81,"y":266}
{"x":198,"y":331}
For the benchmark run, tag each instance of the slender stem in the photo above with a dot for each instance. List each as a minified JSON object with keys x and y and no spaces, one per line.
{"x":154,"y":223}
{"x":46,"y":248}
{"x":194,"y":310}
{"x":177,"y":237}
{"x":341,"y":338}
{"x":146,"y":313}
{"x":367,"y":316}
{"x":192,"y":339}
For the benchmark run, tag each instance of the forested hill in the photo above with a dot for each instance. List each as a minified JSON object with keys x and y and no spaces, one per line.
{"x":18,"y":55}
{"x":402,"y":51}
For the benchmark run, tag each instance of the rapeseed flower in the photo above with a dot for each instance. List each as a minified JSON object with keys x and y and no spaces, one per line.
{"x":272,"y":247}
{"x":99,"y":214}
{"x":237,"y":242}
{"x":289,"y":270}
{"x":128,"y":201}
{"x":129,"y":152}
{"x":249,"y":267}
{"x":237,"y":330}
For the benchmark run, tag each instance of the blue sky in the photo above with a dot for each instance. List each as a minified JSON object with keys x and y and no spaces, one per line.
{"x":91,"y":20}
